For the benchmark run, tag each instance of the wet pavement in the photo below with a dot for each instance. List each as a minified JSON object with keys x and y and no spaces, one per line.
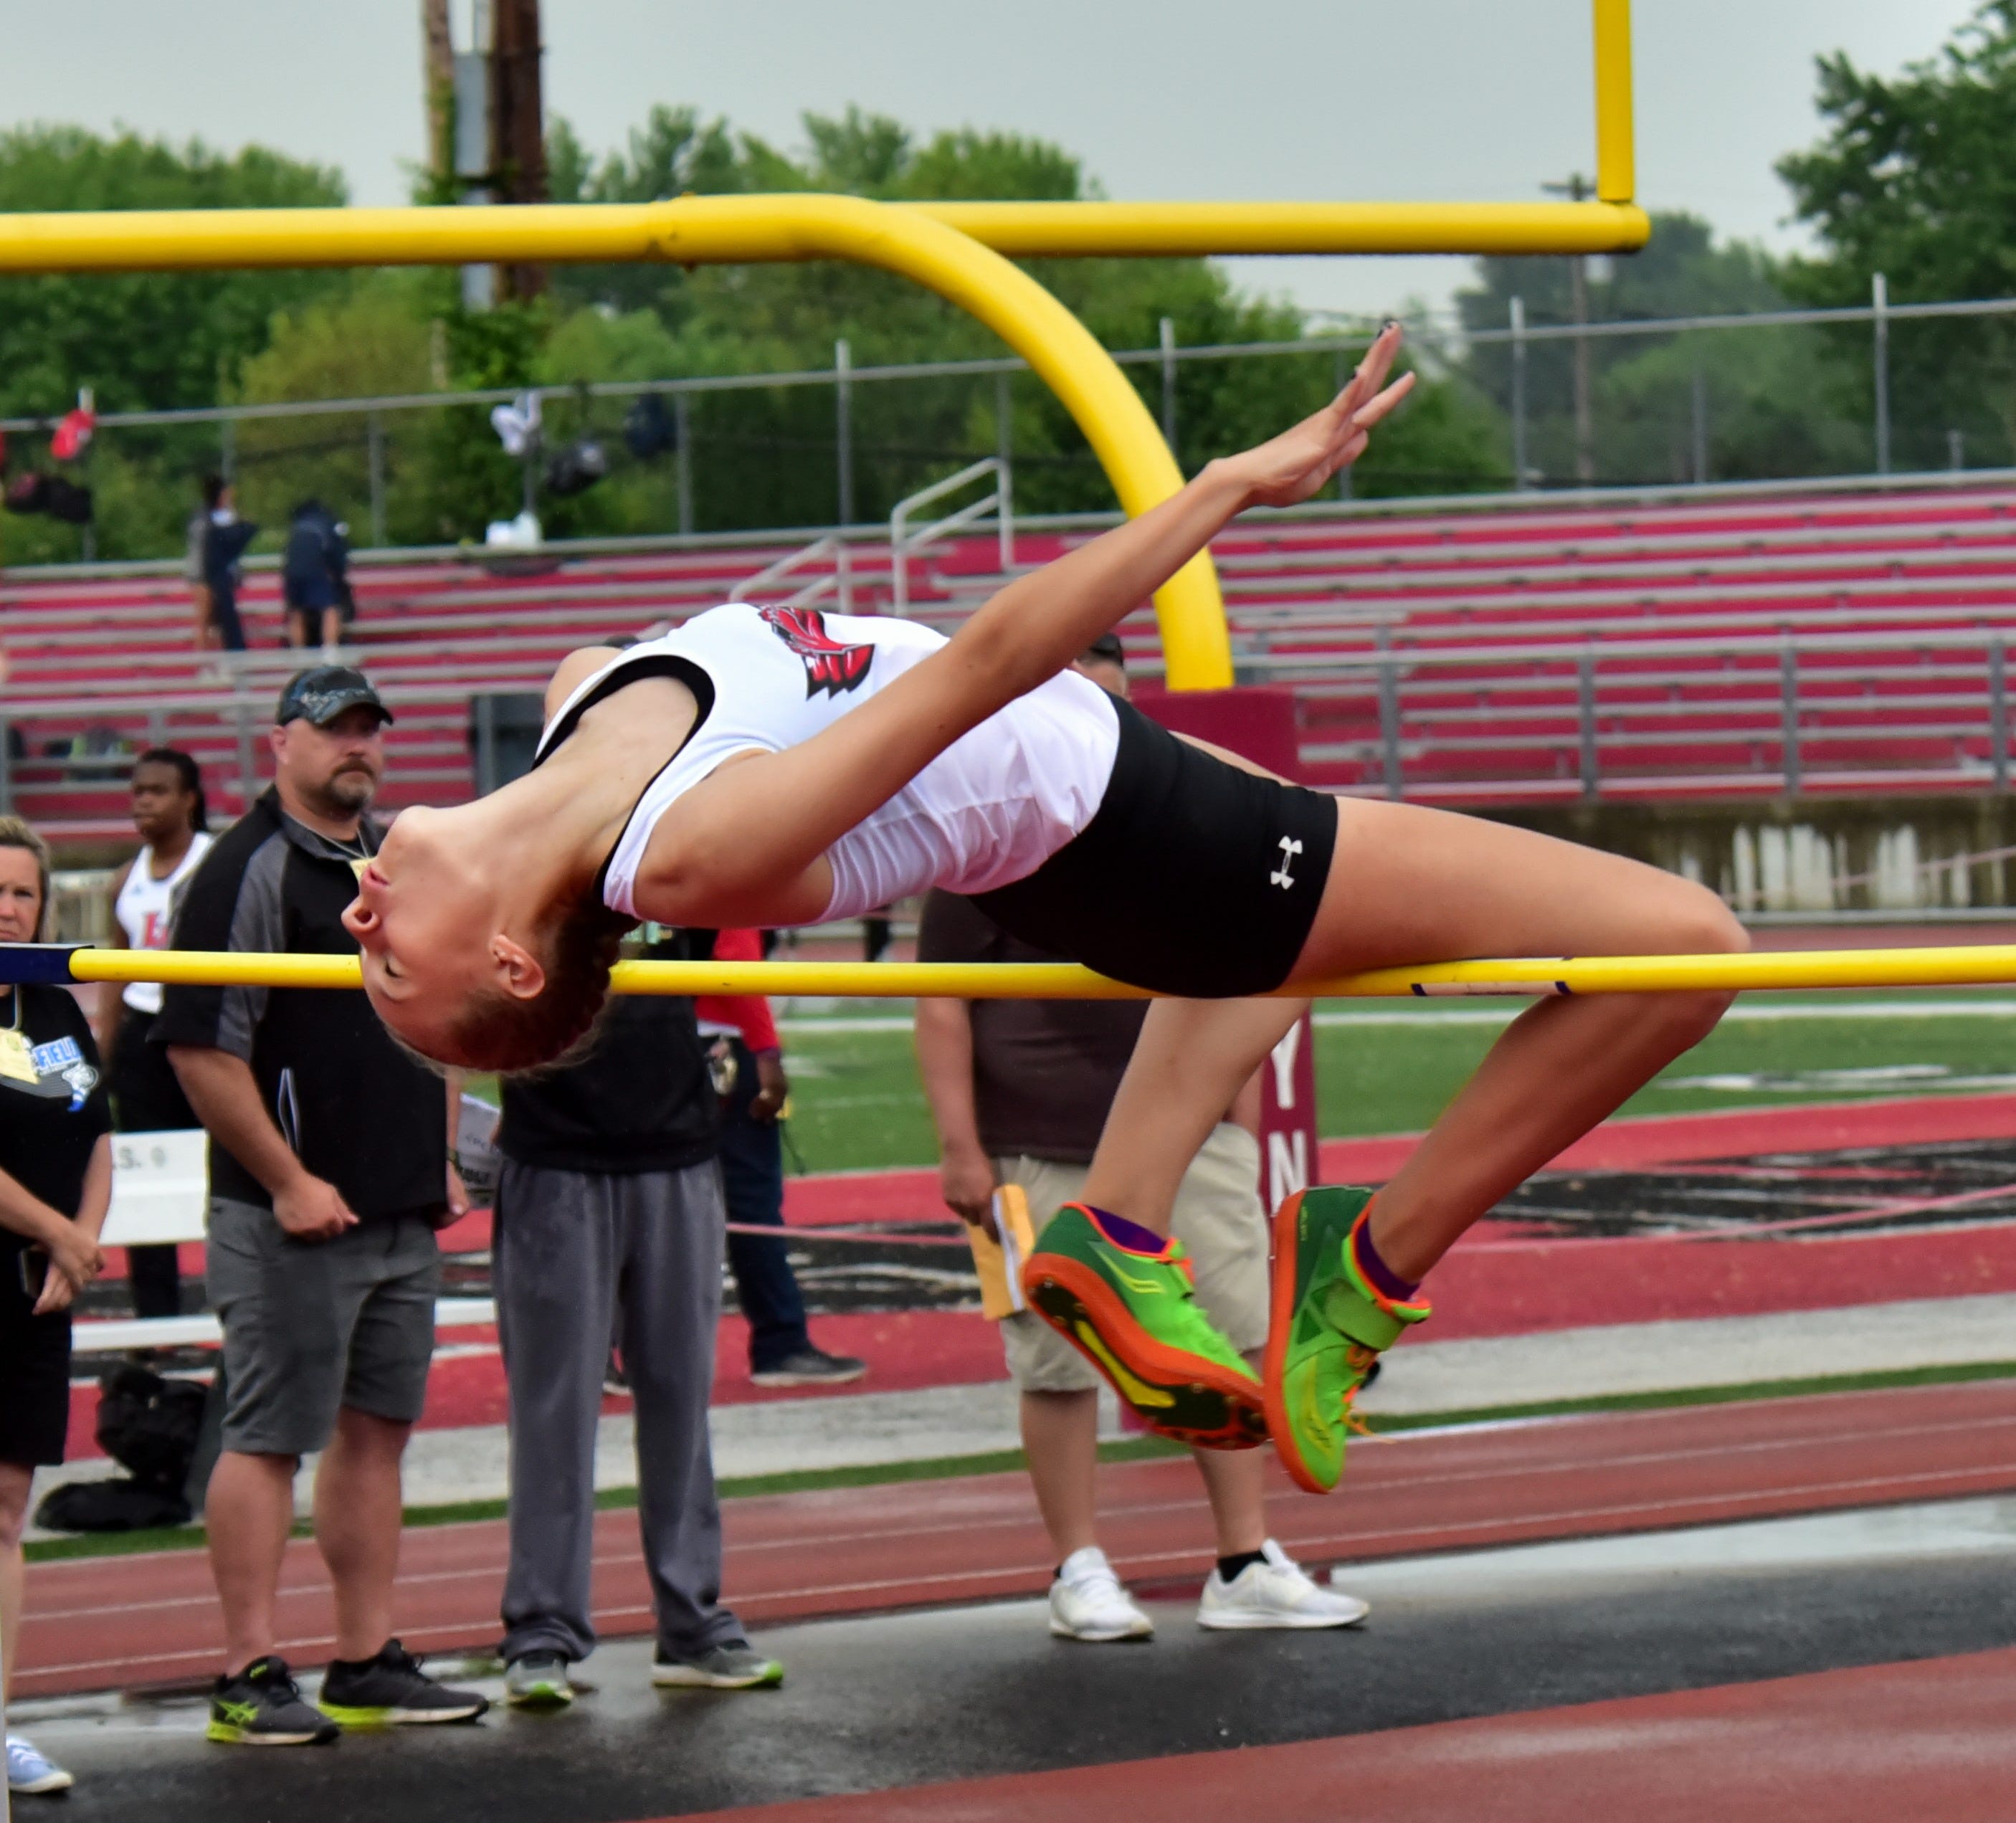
{"x":880,"y":1703}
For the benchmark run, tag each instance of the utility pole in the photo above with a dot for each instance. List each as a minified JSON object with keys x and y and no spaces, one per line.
{"x":1578,"y":189}
{"x":438,"y":80}
{"x":518,"y":124}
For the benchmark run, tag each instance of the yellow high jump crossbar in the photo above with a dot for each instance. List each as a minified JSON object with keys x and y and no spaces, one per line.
{"x":961,"y":251}
{"x":1957,"y":965}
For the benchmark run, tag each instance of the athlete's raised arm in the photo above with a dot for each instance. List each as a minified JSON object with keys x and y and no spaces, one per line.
{"x":741,"y":847}
{"x":1040,"y":623}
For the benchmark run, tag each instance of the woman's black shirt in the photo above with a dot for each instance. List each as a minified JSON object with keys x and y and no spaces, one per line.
{"x":48,"y":1126}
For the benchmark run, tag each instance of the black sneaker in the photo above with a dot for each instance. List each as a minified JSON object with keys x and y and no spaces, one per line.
{"x":370,"y":1693}
{"x":810,"y":1367}
{"x":263,"y":1707}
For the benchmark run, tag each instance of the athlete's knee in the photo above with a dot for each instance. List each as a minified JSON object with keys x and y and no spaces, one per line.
{"x":1697,"y":923}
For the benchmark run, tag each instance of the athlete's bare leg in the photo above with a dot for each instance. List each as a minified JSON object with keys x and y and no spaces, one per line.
{"x":1191,"y":1059}
{"x":1411,"y":884}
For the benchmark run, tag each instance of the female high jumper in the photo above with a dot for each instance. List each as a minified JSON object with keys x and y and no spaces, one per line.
{"x":768,"y":767}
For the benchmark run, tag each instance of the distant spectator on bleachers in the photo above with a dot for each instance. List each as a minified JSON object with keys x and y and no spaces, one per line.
{"x":329,"y":1174}
{"x":314,"y":576}
{"x":56,"y":1184}
{"x":225,"y":541}
{"x":173,"y":822}
{"x":195,"y":567}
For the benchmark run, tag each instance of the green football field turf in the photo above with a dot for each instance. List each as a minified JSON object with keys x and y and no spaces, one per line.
{"x":856,"y":1104}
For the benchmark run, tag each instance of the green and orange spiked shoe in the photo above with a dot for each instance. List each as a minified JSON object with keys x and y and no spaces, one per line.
{"x":1326,"y":1329}
{"x":1134,"y":1316}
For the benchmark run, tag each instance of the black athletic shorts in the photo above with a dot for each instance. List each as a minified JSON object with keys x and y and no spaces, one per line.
{"x":1194,"y":877}
{"x":146,"y":1094}
{"x":34,"y":1371}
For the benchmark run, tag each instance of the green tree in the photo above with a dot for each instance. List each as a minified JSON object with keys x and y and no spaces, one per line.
{"x":146,"y":341}
{"x":1772,"y":400}
{"x":373,"y":339}
{"x":1912,"y":179}
{"x":151,"y":341}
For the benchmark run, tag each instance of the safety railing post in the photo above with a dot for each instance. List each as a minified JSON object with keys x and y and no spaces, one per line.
{"x":1389,"y":714}
{"x":843,"y":427}
{"x":1341,"y":375}
{"x":1879,"y":298}
{"x":227,"y":450}
{"x":1586,"y":723}
{"x":1699,"y":426}
{"x":903,"y":540}
{"x":1168,"y":345}
{"x":1004,"y":417}
{"x":1998,"y":711}
{"x":1788,"y":686}
{"x":682,"y":433}
{"x":1519,"y":470}
{"x":374,"y":443}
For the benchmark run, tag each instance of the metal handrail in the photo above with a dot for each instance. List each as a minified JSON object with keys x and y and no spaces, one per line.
{"x":841,"y":576}
{"x":1001,"y":502}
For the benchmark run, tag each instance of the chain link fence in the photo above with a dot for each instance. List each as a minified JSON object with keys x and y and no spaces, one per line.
{"x":1875,"y":388}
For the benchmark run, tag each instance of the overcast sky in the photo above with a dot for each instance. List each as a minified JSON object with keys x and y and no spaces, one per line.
{"x":1301,"y":99}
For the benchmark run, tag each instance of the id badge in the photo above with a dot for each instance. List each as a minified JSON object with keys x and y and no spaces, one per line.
{"x":15,"y":1064}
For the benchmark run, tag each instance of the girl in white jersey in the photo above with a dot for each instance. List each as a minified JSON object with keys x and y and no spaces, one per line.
{"x":171,"y":819}
{"x":776,"y":767}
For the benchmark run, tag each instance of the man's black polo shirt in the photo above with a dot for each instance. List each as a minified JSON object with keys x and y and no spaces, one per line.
{"x":640,"y":1101}
{"x":358,"y":1111}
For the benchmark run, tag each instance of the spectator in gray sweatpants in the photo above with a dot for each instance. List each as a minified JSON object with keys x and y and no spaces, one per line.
{"x":609,"y":1228}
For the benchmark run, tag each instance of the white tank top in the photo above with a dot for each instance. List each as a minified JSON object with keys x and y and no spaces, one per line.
{"x":992,"y":808}
{"x":145,"y":909}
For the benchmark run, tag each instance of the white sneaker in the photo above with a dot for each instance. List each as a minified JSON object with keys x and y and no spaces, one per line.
{"x":29,"y":1772}
{"x":1088,"y":1602}
{"x":1277,"y":1591}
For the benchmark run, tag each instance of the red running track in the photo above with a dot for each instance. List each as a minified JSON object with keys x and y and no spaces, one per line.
{"x":1931,"y":1740}
{"x":120,"y":1621}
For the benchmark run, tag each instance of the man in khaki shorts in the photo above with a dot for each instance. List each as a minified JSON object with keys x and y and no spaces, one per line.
{"x":1019,"y":1091}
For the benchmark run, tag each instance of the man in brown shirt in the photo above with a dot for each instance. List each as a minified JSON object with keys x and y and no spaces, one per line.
{"x":1019,"y":1091}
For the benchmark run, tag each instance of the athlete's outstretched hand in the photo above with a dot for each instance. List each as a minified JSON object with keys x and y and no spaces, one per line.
{"x":1289,"y":469}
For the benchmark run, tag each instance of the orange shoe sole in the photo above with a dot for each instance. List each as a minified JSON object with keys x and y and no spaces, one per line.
{"x":1280,"y":1319}
{"x":1176,"y":1394}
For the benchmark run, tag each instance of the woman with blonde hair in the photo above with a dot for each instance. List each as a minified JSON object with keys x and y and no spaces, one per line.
{"x":56,"y":1184}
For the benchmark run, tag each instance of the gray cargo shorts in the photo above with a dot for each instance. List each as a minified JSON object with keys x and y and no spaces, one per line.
{"x":311,"y":1326}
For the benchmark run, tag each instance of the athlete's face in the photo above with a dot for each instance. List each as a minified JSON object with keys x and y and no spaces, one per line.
{"x":162,"y":808}
{"x":427,"y":919}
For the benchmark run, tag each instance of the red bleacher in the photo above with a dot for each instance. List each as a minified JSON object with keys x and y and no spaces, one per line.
{"x":1684,"y":606}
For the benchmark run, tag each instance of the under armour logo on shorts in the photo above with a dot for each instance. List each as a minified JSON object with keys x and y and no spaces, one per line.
{"x":1280,"y":876}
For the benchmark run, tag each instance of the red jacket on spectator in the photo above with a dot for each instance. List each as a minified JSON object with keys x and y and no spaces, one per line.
{"x":748,"y":1014}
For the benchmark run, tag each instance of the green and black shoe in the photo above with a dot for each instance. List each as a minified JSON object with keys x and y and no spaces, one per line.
{"x":1134,"y":1316}
{"x":1326,"y":1331}
{"x":263,"y":1707}
{"x":390,"y":1691}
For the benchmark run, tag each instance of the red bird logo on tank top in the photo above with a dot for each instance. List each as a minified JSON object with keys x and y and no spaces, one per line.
{"x":829,"y":665}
